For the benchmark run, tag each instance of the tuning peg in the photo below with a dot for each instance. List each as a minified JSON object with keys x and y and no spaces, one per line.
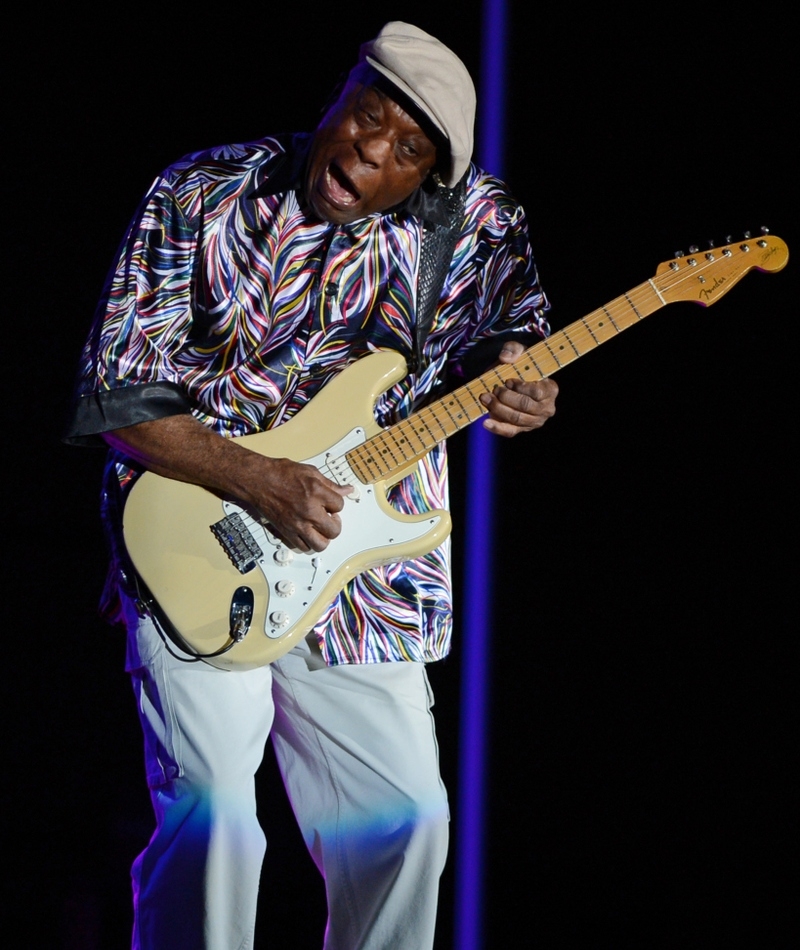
{"x":764,"y":230}
{"x":678,"y":254}
{"x":693,"y":249}
{"x":729,"y":239}
{"x":710,"y":243}
{"x":747,"y":235}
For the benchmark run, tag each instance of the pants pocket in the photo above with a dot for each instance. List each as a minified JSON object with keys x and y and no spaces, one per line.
{"x":155,"y":701}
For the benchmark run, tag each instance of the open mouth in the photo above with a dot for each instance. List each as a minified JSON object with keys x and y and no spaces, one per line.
{"x":341,"y":190}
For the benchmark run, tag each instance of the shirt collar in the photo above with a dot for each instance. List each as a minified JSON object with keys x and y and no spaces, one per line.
{"x":284,"y":172}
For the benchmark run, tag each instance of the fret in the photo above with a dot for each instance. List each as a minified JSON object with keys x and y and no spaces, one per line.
{"x":389,"y":447}
{"x":448,"y":403}
{"x":588,"y":326}
{"x":603,"y":329}
{"x":575,"y":350}
{"x":360,"y":464}
{"x":633,"y":307}
{"x":477,"y":388}
{"x":579,"y":339}
{"x":445,"y":419}
{"x":411,"y":434}
{"x":544,"y":361}
{"x":460,"y":396}
{"x":614,"y":323}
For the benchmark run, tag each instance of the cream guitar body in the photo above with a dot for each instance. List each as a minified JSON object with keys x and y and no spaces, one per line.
{"x":192,"y":570}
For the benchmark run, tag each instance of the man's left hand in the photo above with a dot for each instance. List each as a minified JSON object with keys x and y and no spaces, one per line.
{"x":518,"y":406}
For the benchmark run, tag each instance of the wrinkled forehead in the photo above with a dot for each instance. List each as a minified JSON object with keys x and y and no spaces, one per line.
{"x":365,"y":75}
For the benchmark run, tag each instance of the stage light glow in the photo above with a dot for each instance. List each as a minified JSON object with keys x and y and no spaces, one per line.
{"x":476,"y":622}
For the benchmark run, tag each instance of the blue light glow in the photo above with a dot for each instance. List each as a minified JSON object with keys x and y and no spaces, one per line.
{"x":475,"y":609}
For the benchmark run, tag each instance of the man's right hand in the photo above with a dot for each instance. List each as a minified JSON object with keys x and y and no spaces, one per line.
{"x":298,"y":501}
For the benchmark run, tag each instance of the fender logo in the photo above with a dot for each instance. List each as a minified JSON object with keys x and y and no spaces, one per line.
{"x":707,"y":292}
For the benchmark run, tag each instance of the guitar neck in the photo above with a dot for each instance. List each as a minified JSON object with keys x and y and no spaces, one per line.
{"x":404,"y":443}
{"x":702,"y":278}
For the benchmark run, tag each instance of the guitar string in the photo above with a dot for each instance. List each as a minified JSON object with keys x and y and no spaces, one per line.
{"x":581,"y":342}
{"x":578,"y":335}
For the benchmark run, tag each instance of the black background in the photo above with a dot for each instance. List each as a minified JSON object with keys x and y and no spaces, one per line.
{"x":638,"y":782}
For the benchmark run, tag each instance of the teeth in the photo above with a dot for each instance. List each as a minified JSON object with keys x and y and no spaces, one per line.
{"x":340,"y":192}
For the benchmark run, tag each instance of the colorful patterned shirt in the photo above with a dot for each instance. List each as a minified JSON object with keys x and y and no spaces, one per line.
{"x":228,"y":301}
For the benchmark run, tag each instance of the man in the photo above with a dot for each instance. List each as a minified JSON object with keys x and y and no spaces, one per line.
{"x":251,"y":276}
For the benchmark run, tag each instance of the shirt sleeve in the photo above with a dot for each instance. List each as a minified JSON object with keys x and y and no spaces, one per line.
{"x":128,"y":371}
{"x":493,"y":292}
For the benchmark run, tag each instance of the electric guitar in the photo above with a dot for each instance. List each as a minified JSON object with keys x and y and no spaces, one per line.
{"x":231,"y":592}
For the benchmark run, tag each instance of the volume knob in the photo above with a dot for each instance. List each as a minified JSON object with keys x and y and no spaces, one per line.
{"x":279,"y":618}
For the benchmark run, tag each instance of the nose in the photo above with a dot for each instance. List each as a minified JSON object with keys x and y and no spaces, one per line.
{"x":372,"y":149}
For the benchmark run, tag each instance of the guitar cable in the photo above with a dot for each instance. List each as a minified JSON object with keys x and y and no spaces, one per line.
{"x":149,"y":606}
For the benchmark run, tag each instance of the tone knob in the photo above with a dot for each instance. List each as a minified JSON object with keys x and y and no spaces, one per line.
{"x":284,"y":588}
{"x":279,"y":618}
{"x":283,"y":555}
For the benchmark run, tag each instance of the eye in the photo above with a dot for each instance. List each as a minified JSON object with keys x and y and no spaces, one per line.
{"x":366,"y":117}
{"x":408,"y":149}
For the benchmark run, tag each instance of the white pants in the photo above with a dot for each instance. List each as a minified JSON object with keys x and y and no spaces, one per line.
{"x":357,"y":751}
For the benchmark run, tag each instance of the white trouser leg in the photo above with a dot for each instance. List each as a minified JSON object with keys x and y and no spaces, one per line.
{"x":196,"y":882}
{"x":357,"y":749}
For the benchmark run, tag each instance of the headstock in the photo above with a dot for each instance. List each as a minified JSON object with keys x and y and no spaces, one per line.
{"x":704,"y":276}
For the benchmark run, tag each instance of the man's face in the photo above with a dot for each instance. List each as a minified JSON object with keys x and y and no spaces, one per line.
{"x":367,"y":156}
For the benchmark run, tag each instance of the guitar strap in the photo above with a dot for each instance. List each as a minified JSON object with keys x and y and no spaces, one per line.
{"x":438,"y":245}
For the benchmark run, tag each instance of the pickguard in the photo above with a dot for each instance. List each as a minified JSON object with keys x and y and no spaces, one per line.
{"x":295,"y":579}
